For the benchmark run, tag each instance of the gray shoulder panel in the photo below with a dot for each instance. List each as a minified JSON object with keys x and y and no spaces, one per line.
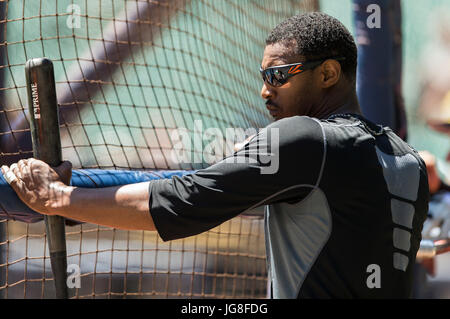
{"x":401,"y":174}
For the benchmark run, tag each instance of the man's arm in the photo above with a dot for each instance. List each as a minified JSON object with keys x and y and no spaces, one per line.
{"x":43,"y":189}
{"x":124,"y":207}
{"x":280,"y":164}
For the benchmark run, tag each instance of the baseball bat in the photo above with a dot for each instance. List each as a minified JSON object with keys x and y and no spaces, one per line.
{"x":44,"y":126}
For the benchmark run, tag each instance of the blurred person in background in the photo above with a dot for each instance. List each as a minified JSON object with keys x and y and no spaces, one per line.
{"x":434,"y":109}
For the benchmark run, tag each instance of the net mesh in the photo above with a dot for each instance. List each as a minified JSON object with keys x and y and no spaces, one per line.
{"x":129,"y":75}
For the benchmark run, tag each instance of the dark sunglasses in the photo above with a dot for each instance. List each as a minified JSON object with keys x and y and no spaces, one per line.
{"x":278,"y":75}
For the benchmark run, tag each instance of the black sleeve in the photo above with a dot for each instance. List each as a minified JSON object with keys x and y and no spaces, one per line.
{"x":281,"y":163}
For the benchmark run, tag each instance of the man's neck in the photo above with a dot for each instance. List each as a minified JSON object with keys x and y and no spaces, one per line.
{"x":339,"y":102}
{"x":350,"y":106}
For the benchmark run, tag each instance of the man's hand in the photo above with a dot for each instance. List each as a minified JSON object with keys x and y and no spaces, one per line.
{"x":45,"y":190}
{"x":38,"y":185}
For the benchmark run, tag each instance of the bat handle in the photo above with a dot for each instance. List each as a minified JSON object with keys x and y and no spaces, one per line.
{"x":55,"y":228}
{"x":44,"y":126}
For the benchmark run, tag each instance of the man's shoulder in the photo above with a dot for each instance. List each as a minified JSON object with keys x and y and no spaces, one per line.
{"x":295,"y":135}
{"x":395,"y":145}
{"x":294,"y":119}
{"x":298,"y":126}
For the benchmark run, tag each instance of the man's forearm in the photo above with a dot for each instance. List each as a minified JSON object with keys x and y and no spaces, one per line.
{"x":125,"y":207}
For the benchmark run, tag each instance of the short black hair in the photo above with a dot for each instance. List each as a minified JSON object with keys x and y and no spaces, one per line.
{"x":318,"y":35}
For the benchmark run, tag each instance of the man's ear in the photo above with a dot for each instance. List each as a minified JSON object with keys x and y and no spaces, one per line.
{"x":330,"y":73}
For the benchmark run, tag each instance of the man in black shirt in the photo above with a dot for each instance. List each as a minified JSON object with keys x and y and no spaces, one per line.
{"x":345,"y":199}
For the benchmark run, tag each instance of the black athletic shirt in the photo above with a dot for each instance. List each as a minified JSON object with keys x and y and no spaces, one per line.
{"x":345,"y":204}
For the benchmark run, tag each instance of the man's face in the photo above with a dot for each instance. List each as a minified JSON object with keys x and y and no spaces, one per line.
{"x":298,"y":95}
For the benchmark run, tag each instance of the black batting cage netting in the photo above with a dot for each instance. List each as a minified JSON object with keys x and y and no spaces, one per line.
{"x":132,"y":78}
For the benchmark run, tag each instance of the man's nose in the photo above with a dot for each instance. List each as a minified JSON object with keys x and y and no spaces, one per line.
{"x":267,"y":91}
